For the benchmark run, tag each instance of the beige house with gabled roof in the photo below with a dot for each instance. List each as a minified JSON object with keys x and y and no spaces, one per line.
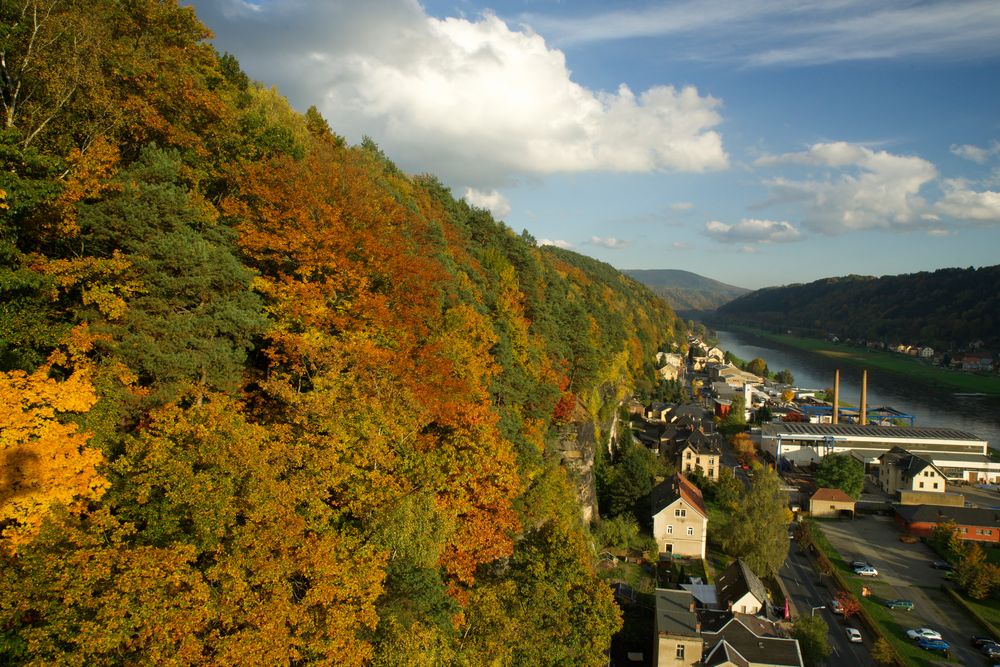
{"x":680,"y":520}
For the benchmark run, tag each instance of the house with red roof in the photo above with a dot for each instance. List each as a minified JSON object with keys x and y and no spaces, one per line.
{"x":830,"y":502}
{"x":680,"y":520}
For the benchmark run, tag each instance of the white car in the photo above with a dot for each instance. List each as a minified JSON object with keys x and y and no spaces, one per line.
{"x":866,"y":571}
{"x":923,"y":633}
{"x":836,"y":607}
{"x":854,"y":635}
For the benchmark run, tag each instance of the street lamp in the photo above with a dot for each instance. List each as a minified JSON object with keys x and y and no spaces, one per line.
{"x":813,"y":612}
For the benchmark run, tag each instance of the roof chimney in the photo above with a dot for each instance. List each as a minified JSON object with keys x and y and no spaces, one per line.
{"x":836,"y":395}
{"x":863,"y":411}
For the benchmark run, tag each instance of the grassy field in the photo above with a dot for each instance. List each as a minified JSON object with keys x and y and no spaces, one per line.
{"x":908,"y":367}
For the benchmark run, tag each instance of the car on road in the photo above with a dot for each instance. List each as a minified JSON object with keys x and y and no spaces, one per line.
{"x":933,"y":644}
{"x":906,"y":605}
{"x":941,"y":565}
{"x":866,"y":571}
{"x":923,"y":633}
{"x":860,"y":563}
{"x":990,"y":650}
{"x":978,"y":640}
{"x":836,"y":607}
{"x":854,"y":635}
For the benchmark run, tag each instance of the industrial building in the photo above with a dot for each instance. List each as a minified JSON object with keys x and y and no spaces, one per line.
{"x":802,"y":443}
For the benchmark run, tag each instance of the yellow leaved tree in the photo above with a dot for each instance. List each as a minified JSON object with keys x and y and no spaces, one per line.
{"x":44,"y":459}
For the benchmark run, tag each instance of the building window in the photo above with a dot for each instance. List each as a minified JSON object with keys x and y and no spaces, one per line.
{"x":670,"y":530}
{"x":935,"y":485}
{"x":965,"y":530}
{"x":690,"y":530}
{"x":711,"y":472}
{"x":921,"y":485}
{"x":680,"y":512}
{"x":987,"y":532}
{"x":680,"y":651}
{"x":711,"y":460}
{"x":689,"y":454}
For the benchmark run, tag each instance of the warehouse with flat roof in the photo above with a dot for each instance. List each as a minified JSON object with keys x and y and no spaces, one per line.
{"x":803,"y":443}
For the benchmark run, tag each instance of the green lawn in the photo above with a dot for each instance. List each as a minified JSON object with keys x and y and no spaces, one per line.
{"x":909,"y":367}
{"x":988,"y":609}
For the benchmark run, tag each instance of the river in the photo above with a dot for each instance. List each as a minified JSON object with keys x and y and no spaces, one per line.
{"x":977,"y":415}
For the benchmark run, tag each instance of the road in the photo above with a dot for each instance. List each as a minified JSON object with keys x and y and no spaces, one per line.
{"x":806,"y":591}
{"x":905,"y":572}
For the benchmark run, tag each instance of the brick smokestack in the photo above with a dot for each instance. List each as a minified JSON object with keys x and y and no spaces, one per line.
{"x":863,"y":412}
{"x":836,"y":396}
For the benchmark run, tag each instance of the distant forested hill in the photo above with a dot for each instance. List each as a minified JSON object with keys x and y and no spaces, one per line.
{"x":266,"y":399}
{"x":945,"y":309}
{"x":686,"y":291}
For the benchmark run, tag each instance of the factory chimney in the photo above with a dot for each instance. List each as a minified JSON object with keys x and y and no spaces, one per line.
{"x":863,"y":411}
{"x":836,"y":396}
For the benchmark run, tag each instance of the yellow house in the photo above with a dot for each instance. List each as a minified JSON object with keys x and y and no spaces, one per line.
{"x":830,"y":502}
{"x":680,"y":520}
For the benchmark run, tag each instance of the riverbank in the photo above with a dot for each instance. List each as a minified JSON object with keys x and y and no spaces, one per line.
{"x":903,"y":366}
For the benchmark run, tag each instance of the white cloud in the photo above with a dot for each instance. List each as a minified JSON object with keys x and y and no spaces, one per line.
{"x":609,"y":242}
{"x":559,"y":243}
{"x":941,"y":232}
{"x":964,"y":204}
{"x":867,"y":189}
{"x":752,"y":231}
{"x":976,"y":153}
{"x":473,"y":100}
{"x":492,"y":201}
{"x":680,"y":245}
{"x":794,"y":33}
{"x":682,"y":206}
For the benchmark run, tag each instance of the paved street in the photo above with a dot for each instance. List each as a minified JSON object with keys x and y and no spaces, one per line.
{"x":805,"y":590}
{"x":905,"y":572}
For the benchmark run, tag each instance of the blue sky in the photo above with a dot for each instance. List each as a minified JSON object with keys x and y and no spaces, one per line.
{"x":757,"y":143}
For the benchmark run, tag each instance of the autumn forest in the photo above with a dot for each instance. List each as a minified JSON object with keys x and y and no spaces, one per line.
{"x":267,"y":399}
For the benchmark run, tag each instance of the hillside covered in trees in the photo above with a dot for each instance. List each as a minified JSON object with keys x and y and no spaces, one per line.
{"x":946,"y":309}
{"x":685,"y":291}
{"x":267,"y":399}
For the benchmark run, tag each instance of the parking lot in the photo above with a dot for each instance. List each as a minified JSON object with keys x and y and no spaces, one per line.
{"x":904,"y":571}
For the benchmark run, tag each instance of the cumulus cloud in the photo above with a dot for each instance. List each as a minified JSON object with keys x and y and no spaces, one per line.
{"x":752,"y":231}
{"x":609,"y":242}
{"x":492,"y":201}
{"x":963,"y":203}
{"x":473,"y":100}
{"x":976,"y":154}
{"x":865,"y":188}
{"x":559,"y":243}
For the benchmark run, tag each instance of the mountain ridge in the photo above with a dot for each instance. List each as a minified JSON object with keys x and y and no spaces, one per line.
{"x":686,"y":291}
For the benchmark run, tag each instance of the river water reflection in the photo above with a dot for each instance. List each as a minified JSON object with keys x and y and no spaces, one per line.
{"x":931,"y":407}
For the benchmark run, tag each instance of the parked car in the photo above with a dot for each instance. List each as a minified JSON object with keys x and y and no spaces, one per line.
{"x":923,"y":633}
{"x":978,"y":640}
{"x":854,"y":635}
{"x":906,"y":605}
{"x":859,"y":563}
{"x":836,"y":607}
{"x":941,"y":565}
{"x":933,"y":644}
{"x":990,"y":650}
{"x":866,"y":571}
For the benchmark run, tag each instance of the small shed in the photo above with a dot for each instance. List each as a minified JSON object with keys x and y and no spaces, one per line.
{"x":830,"y":502}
